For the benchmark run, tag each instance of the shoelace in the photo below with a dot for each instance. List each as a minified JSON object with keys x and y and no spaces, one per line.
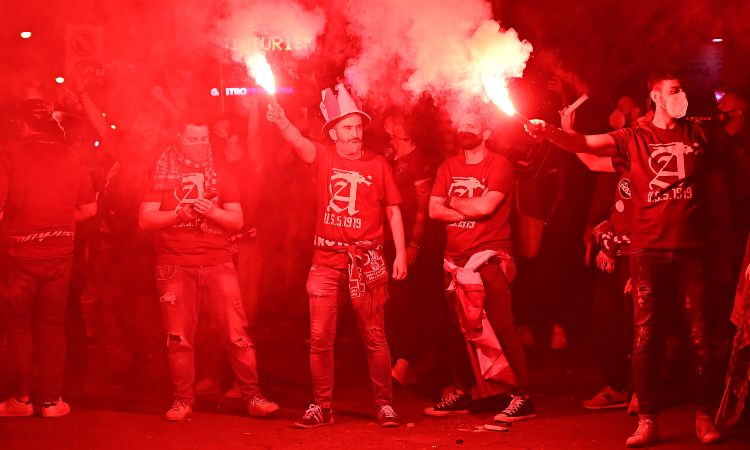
{"x":643,"y":426}
{"x":514,"y":406}
{"x":260,"y":400}
{"x":312,"y":411}
{"x":387,"y":411}
{"x":448,"y":399}
{"x":179,"y":404}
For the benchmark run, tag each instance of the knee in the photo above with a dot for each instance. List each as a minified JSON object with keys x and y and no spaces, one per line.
{"x":321,"y":341}
{"x":241,"y":343}
{"x":177,"y":342}
{"x":374,"y":337}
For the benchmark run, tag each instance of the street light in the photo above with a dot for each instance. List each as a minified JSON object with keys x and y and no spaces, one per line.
{"x":25,"y":34}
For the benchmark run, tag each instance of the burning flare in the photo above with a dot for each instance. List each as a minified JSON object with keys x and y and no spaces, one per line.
{"x":261,"y":72}
{"x":496,"y":89}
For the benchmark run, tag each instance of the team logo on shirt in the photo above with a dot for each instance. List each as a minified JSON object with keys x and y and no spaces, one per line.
{"x":190,"y":188}
{"x":466,"y":187}
{"x":343,"y":188}
{"x":667,"y":161}
{"x":624,"y":187}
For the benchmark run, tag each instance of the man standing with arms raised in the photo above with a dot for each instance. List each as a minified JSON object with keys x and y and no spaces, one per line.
{"x":355,"y":189}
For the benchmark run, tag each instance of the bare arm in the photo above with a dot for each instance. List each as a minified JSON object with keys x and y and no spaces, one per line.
{"x":397,"y":228}
{"x":439,"y":211}
{"x":596,"y":144}
{"x":477,"y":207}
{"x":305,"y":148}
{"x":151,"y":218}
{"x":85,"y":211}
{"x":228,"y":216}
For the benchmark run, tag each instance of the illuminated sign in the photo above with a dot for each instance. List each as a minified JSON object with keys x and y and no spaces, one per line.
{"x":241,"y":91}
{"x":281,"y":44}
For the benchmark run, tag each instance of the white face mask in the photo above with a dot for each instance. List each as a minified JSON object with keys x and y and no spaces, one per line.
{"x":676,"y":105}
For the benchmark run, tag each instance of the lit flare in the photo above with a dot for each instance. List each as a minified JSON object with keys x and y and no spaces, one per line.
{"x":261,"y":72}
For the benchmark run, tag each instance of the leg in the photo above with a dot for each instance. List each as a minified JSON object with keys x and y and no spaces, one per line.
{"x":370,"y":318}
{"x":650,"y":274}
{"x":22,"y":289}
{"x":325,"y":289}
{"x":223,"y":302}
{"x":689,"y":270}
{"x":50,"y":328}
{"x":497,"y":304}
{"x":249,"y":263}
{"x":178,"y":290}
{"x":457,"y":360}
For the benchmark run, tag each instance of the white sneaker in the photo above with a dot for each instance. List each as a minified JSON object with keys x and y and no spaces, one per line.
{"x":55,"y":409}
{"x":14,"y":408}
{"x":645,"y":435}
{"x":260,"y":406}
{"x":180,"y":410}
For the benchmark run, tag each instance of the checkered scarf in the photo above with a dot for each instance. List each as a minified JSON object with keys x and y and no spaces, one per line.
{"x":168,"y":177}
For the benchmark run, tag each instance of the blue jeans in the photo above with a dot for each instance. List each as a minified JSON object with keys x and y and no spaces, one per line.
{"x":184,"y":291}
{"x":658,"y":278}
{"x":328,"y":291}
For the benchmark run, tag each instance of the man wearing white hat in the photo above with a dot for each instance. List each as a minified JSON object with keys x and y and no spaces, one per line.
{"x":355,"y":187}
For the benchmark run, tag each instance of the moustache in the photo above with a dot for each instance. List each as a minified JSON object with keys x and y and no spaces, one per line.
{"x":354,"y":141}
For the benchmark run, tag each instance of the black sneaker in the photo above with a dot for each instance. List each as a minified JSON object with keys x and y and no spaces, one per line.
{"x":314,"y":417}
{"x":520,"y":408}
{"x":453,"y":403}
{"x":387,"y":417}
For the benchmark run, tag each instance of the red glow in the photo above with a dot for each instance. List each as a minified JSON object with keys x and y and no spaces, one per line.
{"x":25,"y":34}
{"x":59,"y":80}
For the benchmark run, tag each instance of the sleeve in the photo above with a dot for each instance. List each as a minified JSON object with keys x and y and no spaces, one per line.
{"x":152,"y":196}
{"x":622,"y":137}
{"x":500,"y":179}
{"x":440,"y":187}
{"x":321,"y":154}
{"x":86,"y":193}
{"x":229,"y":191}
{"x":391,"y":194}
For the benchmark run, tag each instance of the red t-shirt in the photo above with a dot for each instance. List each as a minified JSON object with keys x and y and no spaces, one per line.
{"x":667,"y":170}
{"x":186,"y":243}
{"x":352,"y":196}
{"x":41,"y":183}
{"x":457,"y":178}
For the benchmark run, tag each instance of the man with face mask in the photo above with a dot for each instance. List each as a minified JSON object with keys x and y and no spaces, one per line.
{"x":668,"y":160}
{"x":356,"y":190}
{"x":192,"y":207}
{"x":472,"y":195}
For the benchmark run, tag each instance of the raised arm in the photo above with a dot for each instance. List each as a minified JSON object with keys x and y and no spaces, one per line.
{"x":305,"y":148}
{"x":595,"y":144}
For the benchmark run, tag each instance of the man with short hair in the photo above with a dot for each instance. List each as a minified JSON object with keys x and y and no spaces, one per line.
{"x":356,"y":190}
{"x":668,"y":160}
{"x":192,"y":206}
{"x":44,"y":191}
{"x":471,"y":195}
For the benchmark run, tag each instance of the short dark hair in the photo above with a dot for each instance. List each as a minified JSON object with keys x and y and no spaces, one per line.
{"x":656,"y":76}
{"x":191,"y":119}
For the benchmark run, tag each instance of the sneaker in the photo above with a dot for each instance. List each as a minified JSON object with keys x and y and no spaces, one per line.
{"x":454,"y":402}
{"x":233,"y":392}
{"x":180,"y":410}
{"x":633,"y":406}
{"x":400,"y":371}
{"x":520,"y":408}
{"x":608,"y":398}
{"x":314,"y":417}
{"x":706,"y":430}
{"x":260,"y":406}
{"x":645,"y":435}
{"x":14,"y":408}
{"x":57,"y":408}
{"x":387,"y":417}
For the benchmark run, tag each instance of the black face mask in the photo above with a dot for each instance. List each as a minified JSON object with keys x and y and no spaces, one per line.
{"x":468,"y":141}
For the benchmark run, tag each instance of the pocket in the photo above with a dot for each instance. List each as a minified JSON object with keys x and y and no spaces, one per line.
{"x":165,"y":272}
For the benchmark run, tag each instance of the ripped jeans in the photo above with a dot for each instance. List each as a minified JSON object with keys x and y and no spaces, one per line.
{"x":669,"y":285}
{"x":328,"y":291}
{"x":184,"y":291}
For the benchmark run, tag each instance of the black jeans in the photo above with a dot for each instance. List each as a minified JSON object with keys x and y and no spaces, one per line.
{"x":612,"y":327}
{"x":658,"y":277}
{"x":497,"y":305}
{"x":37,"y":295}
